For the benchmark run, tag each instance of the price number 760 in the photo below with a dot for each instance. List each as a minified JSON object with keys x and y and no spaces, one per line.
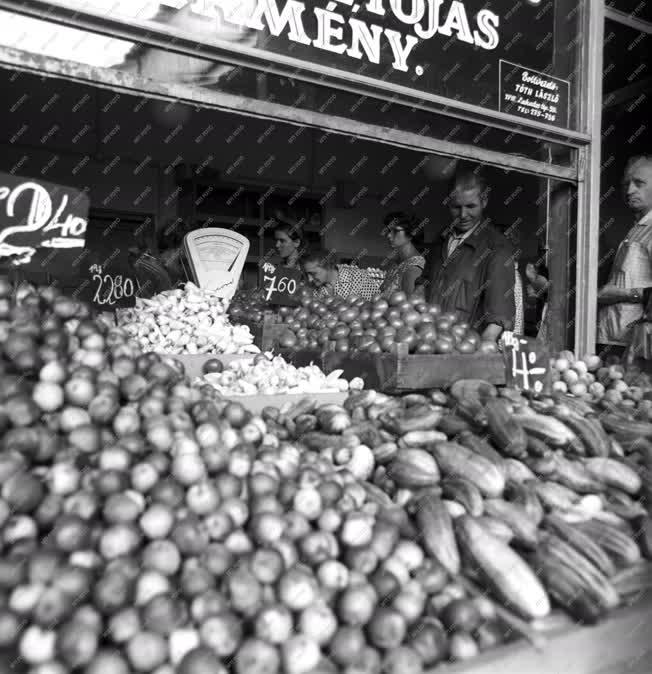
{"x":283,"y":285}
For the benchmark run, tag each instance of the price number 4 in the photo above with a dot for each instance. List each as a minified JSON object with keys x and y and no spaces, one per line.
{"x":284,"y":285}
{"x":525,"y":371}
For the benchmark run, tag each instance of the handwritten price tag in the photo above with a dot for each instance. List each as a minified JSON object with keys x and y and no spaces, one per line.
{"x":281,"y":285}
{"x":112,"y":291}
{"x":42,"y":224}
{"x":527,"y":363}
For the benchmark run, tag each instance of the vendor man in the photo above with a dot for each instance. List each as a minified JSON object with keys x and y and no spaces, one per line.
{"x":621,"y":300}
{"x":470,"y":268}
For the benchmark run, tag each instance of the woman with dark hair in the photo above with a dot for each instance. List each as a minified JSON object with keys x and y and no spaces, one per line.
{"x":340,"y":280}
{"x":288,"y":242}
{"x":401,"y":229}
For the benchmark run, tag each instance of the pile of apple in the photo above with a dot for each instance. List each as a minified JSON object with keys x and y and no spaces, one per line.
{"x":591,"y":378}
{"x":378,"y":326}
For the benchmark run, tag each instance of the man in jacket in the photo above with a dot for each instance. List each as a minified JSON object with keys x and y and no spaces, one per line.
{"x":470,"y":268}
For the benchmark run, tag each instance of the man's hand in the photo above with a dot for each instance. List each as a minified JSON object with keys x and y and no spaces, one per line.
{"x":492,"y":332}
{"x":611,"y":295}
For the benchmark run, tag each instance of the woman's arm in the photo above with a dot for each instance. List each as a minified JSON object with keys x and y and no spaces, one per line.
{"x":409,"y":279}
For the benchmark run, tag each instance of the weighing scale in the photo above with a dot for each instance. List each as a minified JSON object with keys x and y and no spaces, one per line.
{"x":216,"y":257}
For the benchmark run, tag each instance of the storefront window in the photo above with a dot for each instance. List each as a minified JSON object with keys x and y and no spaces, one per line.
{"x":197,"y":75}
{"x":520,"y":58}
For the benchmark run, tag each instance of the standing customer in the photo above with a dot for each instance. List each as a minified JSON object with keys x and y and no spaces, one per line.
{"x":621,"y":300}
{"x":471,"y":267}
{"x":401,"y":229}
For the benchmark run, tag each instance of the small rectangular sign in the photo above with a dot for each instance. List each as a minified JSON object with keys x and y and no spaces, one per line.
{"x":527,"y":363}
{"x":42,"y":224}
{"x":281,"y":285}
{"x":533,"y":95}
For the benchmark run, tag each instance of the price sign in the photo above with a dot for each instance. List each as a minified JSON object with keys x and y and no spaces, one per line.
{"x":42,"y":225}
{"x":107,"y":277}
{"x":281,"y":285}
{"x":112,"y":291}
{"x":527,"y":363}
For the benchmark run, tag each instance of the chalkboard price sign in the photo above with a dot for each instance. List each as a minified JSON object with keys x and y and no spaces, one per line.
{"x":42,"y":224}
{"x":527,"y":363}
{"x":281,"y":285}
{"x":112,"y":291}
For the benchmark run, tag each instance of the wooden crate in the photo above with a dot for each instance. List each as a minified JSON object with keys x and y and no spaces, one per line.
{"x":394,"y":373}
{"x":619,"y":645}
{"x":267,"y":333}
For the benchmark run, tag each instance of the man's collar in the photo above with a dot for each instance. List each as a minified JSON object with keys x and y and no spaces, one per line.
{"x":645,"y":219}
{"x":471,"y":237}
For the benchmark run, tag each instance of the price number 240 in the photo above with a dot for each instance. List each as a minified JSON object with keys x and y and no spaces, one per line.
{"x":284,"y":285}
{"x":112,"y":289}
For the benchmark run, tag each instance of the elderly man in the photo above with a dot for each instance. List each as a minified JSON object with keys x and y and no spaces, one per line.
{"x":622,"y":299}
{"x":471,"y":267}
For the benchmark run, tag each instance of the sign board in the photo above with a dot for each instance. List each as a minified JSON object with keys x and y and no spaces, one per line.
{"x":446,"y":47}
{"x":527,"y":363}
{"x":534,"y":95}
{"x":107,"y":277}
{"x":281,"y":285}
{"x":216,"y":257}
{"x":42,"y":225}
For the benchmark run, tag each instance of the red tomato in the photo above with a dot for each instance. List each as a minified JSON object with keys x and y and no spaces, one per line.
{"x":443,"y":324}
{"x":411,"y":317}
{"x":443,"y":345}
{"x":466,"y":347}
{"x":387,"y":331}
{"x":396,"y":323}
{"x":386,"y":343}
{"x":372,"y":332}
{"x":331,"y":323}
{"x":473,"y":336}
{"x":340,"y":331}
{"x":380,"y":323}
{"x":287,"y":340}
{"x":381,"y":304}
{"x":425,"y":347}
{"x":451,"y":316}
{"x":487,"y":347}
{"x":427,"y":333}
{"x":365,"y":342}
{"x":342,"y":346}
{"x":459,"y":330}
{"x":376,"y":314}
{"x":375,"y":348}
{"x":407,"y":335}
{"x":364,"y":315}
{"x":397,"y":297}
{"x":434,"y":310}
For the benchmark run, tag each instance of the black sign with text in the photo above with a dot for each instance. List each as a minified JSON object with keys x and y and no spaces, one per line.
{"x":534,"y":95}
{"x":42,"y":225}
{"x":107,"y":276}
{"x":527,"y":363}
{"x":281,"y":285}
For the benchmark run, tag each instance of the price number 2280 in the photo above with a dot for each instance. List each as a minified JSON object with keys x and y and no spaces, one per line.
{"x":284,"y":285}
{"x":111,"y":290}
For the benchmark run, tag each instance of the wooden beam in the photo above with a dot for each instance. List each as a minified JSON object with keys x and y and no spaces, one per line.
{"x":628,"y":20}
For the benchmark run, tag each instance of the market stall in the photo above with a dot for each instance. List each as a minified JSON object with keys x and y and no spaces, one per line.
{"x":159,"y":522}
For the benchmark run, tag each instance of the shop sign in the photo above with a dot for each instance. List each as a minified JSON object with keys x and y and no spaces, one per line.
{"x":527,"y":363}
{"x":42,"y":224}
{"x":534,"y":95}
{"x":281,"y":285}
{"x":449,"y":48}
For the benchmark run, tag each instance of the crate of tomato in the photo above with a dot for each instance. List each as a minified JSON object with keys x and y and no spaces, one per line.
{"x":394,"y":344}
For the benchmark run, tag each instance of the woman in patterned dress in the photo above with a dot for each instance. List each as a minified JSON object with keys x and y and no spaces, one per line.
{"x":340,"y":280}
{"x":400,"y":229}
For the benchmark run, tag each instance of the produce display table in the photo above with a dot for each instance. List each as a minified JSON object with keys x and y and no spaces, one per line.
{"x":257,"y":403}
{"x":621,"y":644}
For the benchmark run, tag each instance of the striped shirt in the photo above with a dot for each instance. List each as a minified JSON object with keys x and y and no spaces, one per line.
{"x":632,"y":268}
{"x":351,"y":281}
